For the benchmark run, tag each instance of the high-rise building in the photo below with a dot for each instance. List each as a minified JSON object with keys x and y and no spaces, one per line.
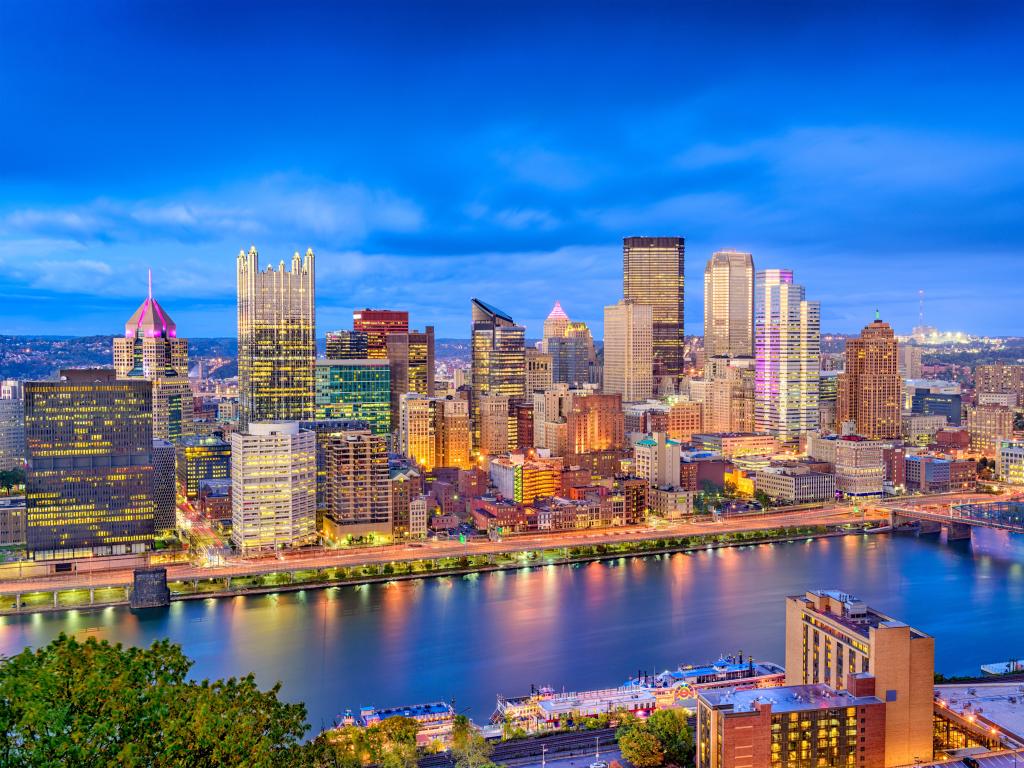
{"x":685,"y":419}
{"x":198,"y":458}
{"x":911,"y":361}
{"x":729,"y":305}
{"x":594,"y":423}
{"x":151,"y":349}
{"x":273,"y":486}
{"x":870,"y":386}
{"x":89,"y":486}
{"x":434,"y":431}
{"x":497,"y":431}
{"x":411,"y":357}
{"x":538,"y":370}
{"x":787,"y":346}
{"x":554,"y":325}
{"x":572,"y":356}
{"x":999,"y":377}
{"x":354,"y":389}
{"x":499,"y":359}
{"x":831,"y":635}
{"x":988,"y":426}
{"x":164,"y":516}
{"x":12,"y":432}
{"x":652,"y":275}
{"x":377,"y":324}
{"x":1010,"y":462}
{"x":928,"y":401}
{"x":656,"y":460}
{"x":276,"y":339}
{"x":729,"y":394}
{"x":324,"y":429}
{"x":358,"y":486}
{"x":629,"y":350}
{"x":347,"y":345}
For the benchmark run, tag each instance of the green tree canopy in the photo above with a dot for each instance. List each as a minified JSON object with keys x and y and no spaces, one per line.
{"x":96,"y":704}
{"x":641,"y":748}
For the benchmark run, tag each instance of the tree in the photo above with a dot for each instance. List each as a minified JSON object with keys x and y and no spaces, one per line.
{"x":641,"y":747}
{"x":673,"y":732}
{"x":97,"y":704}
{"x":9,"y":478}
{"x":763,"y":499}
{"x":469,"y":748}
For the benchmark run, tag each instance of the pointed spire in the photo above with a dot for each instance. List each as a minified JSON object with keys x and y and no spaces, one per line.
{"x":150,"y":283}
{"x":876,"y":315}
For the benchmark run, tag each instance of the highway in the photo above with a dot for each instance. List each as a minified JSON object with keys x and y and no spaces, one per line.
{"x":319,"y":557}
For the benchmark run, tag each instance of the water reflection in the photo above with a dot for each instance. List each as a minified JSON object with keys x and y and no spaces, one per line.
{"x":578,"y":626}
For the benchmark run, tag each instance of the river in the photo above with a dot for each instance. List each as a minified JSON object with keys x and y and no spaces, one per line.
{"x":578,"y":627}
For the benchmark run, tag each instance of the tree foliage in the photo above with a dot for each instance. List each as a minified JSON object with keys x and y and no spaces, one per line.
{"x":664,"y":738}
{"x":469,"y":748}
{"x":9,"y":478}
{"x":96,"y":704}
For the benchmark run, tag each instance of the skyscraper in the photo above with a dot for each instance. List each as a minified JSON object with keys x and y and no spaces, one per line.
{"x":90,"y":465}
{"x":276,"y":339}
{"x":729,"y":394}
{"x":346,"y":345}
{"x":870,"y":387}
{"x":787,"y":347}
{"x":273,"y":486}
{"x":411,"y":357}
{"x":377,"y":324}
{"x":652,"y":274}
{"x":499,"y":358}
{"x":358,"y":486}
{"x":572,"y":356}
{"x":354,"y":389}
{"x":12,"y":431}
{"x":151,"y":349}
{"x":628,"y":350}
{"x":729,"y":305}
{"x":554,"y":325}
{"x":164,"y":517}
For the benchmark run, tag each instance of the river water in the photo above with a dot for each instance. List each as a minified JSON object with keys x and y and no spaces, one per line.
{"x":577,"y":627}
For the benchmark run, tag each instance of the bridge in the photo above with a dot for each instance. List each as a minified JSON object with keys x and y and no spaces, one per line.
{"x":959,"y":519}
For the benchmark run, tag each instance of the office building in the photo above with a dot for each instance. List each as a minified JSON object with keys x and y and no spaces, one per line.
{"x":164,"y":508}
{"x":794,"y":726}
{"x":198,"y":458}
{"x":358,"y":486}
{"x":870,"y":386}
{"x":434,"y":431}
{"x":652,"y":275}
{"x":357,"y":390}
{"x":347,"y":345}
{"x":629,"y":350}
{"x":12,"y":521}
{"x":795,"y":484}
{"x":1010,"y":462}
{"x":831,"y":635}
{"x":929,"y":402}
{"x":729,"y":305}
{"x":12,"y":432}
{"x":927,"y":474}
{"x":150,"y":349}
{"x":89,"y":488}
{"x":324,"y":429}
{"x":988,"y":426}
{"x":685,"y":419}
{"x":859,"y":463}
{"x":525,"y":479}
{"x":788,"y":343}
{"x":554,"y":325}
{"x":273,"y":487}
{"x":919,"y":429}
{"x":1000,"y":378}
{"x":539,"y":374}
{"x":573,"y":358}
{"x":594,"y":422}
{"x":496,"y":436}
{"x":729,"y":394}
{"x":656,"y":460}
{"x":276,"y":339}
{"x":736,"y":444}
{"x":499,"y":359}
{"x":377,"y":324}
{"x":910,"y":361}
{"x":411,"y":357}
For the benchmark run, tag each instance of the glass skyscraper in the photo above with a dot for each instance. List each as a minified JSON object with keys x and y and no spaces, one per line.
{"x":499,"y":358}
{"x":355,"y":389}
{"x":652,"y":274}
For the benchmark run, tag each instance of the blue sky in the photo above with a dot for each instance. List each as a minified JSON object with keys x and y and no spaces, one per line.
{"x":431,"y":152}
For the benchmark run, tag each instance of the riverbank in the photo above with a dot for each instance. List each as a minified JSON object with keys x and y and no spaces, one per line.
{"x":403,"y":569}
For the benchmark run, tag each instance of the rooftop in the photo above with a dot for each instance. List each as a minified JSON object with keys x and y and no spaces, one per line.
{"x":790,"y":698}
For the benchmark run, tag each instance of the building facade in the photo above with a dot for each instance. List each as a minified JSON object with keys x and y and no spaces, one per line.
{"x":411,"y":358}
{"x":499,"y":359}
{"x":788,"y":344}
{"x":164,"y":508}
{"x":12,"y":432}
{"x":554,"y":325}
{"x":652,"y":275}
{"x":656,"y":460}
{"x":276,"y":339}
{"x":198,"y":458}
{"x":870,"y":386}
{"x":358,"y":486}
{"x":273,"y":487}
{"x":347,"y":345}
{"x":988,"y":426}
{"x":729,"y":305}
{"x":354,"y":390}
{"x":629,"y":350}
{"x":377,"y":324}
{"x":89,"y":486}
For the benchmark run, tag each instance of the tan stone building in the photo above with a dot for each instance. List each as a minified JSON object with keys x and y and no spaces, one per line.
{"x":831,"y":635}
{"x":870,"y":386}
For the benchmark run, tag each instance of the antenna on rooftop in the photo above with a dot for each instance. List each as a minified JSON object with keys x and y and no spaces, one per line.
{"x":150,"y":283}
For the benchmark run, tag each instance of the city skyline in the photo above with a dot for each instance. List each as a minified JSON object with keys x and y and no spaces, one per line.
{"x":873,"y":174}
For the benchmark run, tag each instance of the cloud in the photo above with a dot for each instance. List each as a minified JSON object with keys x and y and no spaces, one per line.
{"x":545,"y":168}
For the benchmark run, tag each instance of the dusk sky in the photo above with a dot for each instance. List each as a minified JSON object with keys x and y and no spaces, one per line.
{"x":432,"y":152}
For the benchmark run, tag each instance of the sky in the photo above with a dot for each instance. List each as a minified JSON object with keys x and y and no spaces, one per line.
{"x":431,"y":152}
